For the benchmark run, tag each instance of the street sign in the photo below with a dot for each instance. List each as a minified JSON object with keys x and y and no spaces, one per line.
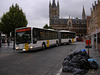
{"x":88,"y":42}
{"x":88,"y":46}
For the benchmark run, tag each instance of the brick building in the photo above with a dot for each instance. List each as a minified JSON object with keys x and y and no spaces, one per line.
{"x":94,"y":19}
{"x":93,"y":24}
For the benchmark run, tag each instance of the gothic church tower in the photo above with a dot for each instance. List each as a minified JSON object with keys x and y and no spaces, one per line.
{"x":83,"y":14}
{"x":53,"y":10}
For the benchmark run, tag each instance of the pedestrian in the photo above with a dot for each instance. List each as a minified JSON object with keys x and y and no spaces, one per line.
{"x":8,"y":41}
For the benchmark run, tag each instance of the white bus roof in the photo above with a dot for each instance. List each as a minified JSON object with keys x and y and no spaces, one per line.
{"x":3,"y":34}
{"x":36,"y":27}
{"x":66,"y":31}
{"x":22,"y":28}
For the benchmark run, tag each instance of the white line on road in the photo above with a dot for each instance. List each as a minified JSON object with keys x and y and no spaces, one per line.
{"x":59,"y":72}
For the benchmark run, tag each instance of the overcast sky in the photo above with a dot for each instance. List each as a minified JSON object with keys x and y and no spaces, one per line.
{"x":37,"y":11}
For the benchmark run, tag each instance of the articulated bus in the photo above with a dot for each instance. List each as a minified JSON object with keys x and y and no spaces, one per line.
{"x":66,"y":37}
{"x":31,"y":38}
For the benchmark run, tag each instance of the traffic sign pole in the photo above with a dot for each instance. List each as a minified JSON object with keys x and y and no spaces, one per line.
{"x":88,"y":48}
{"x":88,"y":42}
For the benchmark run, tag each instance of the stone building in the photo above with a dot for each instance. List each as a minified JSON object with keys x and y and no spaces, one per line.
{"x":93,"y":24}
{"x":94,"y":18}
{"x":77,"y":25}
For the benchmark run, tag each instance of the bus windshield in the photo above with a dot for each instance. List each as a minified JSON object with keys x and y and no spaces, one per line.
{"x":23,"y":37}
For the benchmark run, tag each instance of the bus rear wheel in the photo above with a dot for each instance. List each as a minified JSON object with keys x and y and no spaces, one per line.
{"x":57,"y":44}
{"x":43,"y":46}
{"x":69,"y":41}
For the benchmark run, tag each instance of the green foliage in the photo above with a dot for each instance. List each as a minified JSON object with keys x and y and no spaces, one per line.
{"x":15,"y":18}
{"x":47,"y":27}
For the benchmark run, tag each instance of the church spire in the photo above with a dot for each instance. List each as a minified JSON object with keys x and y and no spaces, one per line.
{"x":98,"y":1}
{"x":83,"y":14}
{"x":58,"y":3}
{"x":69,"y":16}
{"x":58,"y":7}
{"x":53,"y":3}
{"x":49,"y":3}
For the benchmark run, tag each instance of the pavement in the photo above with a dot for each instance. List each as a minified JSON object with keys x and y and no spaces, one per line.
{"x":6,"y":50}
{"x":95,"y":54}
{"x":92,"y":52}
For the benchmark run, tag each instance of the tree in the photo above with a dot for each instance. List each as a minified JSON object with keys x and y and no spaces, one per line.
{"x":15,"y":18}
{"x":47,"y":27}
{"x":51,"y":27}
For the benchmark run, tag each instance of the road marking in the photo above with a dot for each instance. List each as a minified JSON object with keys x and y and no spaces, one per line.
{"x":59,"y":72}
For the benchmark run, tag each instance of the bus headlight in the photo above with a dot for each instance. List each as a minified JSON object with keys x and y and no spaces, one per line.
{"x":17,"y":48}
{"x":31,"y":47}
{"x":24,"y":49}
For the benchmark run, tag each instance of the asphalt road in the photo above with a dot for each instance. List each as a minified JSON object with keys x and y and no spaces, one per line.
{"x":42,"y":62}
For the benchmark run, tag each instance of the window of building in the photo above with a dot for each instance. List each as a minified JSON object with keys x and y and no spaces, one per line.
{"x":77,"y":21}
{"x":83,"y":22}
{"x":55,"y":21}
{"x":69,"y":24}
{"x":61,"y":21}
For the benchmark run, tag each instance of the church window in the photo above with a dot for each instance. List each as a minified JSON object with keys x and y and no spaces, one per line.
{"x":82,"y":22}
{"x":77,"y":22}
{"x":55,"y":21}
{"x":69,"y":24}
{"x":50,"y":22}
{"x":61,"y":21}
{"x":54,"y":12}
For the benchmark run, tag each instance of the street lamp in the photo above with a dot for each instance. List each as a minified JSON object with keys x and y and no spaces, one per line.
{"x":0,"y":39}
{"x":96,"y":39}
{"x":96,"y":36}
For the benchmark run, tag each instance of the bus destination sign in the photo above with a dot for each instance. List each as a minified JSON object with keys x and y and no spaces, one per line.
{"x":23,"y":30}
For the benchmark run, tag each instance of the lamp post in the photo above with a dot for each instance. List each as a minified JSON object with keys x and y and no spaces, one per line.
{"x":0,"y":39}
{"x":0,"y":35}
{"x":96,"y":39}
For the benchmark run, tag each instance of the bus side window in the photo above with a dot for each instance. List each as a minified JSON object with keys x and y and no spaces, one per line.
{"x":34,"y":40}
{"x":34,"y":36}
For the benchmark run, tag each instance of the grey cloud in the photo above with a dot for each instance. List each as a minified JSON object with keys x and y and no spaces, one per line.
{"x":37,"y":11}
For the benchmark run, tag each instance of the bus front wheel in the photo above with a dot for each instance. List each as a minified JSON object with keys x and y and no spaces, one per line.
{"x":57,"y":44}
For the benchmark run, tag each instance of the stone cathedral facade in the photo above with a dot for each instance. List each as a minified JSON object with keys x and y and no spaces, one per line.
{"x":77,"y":25}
